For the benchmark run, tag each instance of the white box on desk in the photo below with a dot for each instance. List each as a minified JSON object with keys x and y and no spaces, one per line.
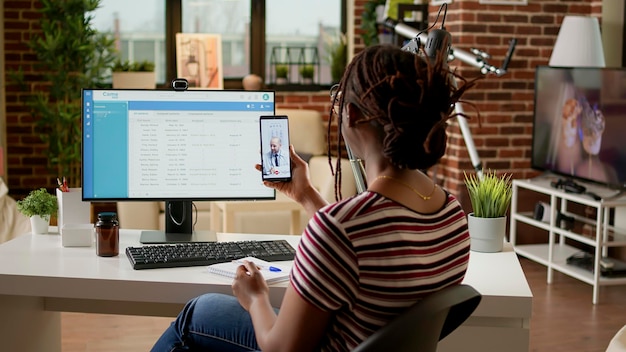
{"x":77,"y":235}
{"x":72,"y":209}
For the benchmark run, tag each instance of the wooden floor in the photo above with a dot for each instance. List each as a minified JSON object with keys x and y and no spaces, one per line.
{"x":564,"y":319}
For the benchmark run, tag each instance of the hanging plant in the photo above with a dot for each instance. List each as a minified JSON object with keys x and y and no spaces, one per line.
{"x":369,"y":24}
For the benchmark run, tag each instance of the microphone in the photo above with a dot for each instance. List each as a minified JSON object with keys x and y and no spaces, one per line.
{"x":438,"y":40}
{"x":433,"y":42}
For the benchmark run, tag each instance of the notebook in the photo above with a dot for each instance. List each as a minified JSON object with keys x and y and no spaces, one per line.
{"x":272,"y":272}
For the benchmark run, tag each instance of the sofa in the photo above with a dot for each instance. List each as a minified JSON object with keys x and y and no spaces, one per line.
{"x":12,"y":222}
{"x":308,"y":135}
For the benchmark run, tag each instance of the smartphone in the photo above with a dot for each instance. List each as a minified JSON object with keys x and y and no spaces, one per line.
{"x":275,"y":160}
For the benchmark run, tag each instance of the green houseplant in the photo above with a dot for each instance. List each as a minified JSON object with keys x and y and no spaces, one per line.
{"x":70,"y":55}
{"x":307,"y":72}
{"x":137,"y":66}
{"x":39,"y":206}
{"x":138,"y":74}
{"x":369,"y":25}
{"x":490,"y":196}
{"x":282,"y":71}
{"x":336,"y":56}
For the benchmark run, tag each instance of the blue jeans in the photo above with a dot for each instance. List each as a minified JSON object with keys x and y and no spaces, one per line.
{"x":211,"y":322}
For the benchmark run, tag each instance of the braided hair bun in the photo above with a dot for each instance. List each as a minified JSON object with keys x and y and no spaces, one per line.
{"x":409,"y":98}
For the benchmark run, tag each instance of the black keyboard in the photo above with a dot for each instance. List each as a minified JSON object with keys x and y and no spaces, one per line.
{"x":206,"y":253}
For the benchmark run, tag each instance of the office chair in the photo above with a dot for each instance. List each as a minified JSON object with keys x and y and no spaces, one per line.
{"x":423,"y":325}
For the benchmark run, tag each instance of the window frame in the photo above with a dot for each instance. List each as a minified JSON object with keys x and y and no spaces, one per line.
{"x":174,"y":24}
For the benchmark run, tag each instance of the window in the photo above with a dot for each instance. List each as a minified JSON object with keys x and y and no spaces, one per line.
{"x":249,"y":29}
{"x":305,"y":24}
{"x":228,"y":18}
{"x":139,"y":27}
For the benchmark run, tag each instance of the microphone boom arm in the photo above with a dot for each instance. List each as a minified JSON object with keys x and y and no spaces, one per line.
{"x":476,"y":59}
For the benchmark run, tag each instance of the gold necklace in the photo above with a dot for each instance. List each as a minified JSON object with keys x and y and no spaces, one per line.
{"x":408,"y":186}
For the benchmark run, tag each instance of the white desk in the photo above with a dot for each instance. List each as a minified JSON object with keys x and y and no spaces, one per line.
{"x":227,"y":210}
{"x":39,"y":278}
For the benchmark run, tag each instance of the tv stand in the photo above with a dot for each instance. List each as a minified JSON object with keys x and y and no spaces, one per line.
{"x":570,"y":186}
{"x":563,"y":243}
{"x":178,"y":226}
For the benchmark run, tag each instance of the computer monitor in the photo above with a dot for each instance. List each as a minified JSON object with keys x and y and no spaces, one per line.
{"x":173,"y":146}
{"x":579,"y":123}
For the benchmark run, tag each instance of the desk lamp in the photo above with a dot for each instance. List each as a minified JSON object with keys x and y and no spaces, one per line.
{"x":578,"y":44}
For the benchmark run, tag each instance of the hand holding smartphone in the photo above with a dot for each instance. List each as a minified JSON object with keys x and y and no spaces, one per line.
{"x":275,"y":160}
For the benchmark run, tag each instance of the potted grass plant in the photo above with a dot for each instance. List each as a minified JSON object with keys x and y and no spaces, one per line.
{"x":490,"y":196}
{"x":39,"y":206}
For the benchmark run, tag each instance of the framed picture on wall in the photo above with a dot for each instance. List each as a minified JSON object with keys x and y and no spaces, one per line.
{"x":199,"y":60}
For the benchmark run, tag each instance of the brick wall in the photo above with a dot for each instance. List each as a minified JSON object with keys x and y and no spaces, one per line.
{"x":505,"y":103}
{"x":26,"y":165}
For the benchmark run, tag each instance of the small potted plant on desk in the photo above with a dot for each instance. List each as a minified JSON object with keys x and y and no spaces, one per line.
{"x":39,"y":206}
{"x":138,"y":74}
{"x":490,"y":196}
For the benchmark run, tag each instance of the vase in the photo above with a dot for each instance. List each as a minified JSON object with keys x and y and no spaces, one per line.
{"x":39,"y":225}
{"x":486,"y":234}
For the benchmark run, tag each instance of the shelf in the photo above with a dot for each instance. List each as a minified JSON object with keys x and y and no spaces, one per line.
{"x":545,"y":226}
{"x":539,"y":253}
{"x":528,"y":219}
{"x":554,"y":254}
{"x":542,"y":185}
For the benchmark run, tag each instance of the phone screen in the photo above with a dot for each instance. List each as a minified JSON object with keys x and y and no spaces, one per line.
{"x":275,"y":161}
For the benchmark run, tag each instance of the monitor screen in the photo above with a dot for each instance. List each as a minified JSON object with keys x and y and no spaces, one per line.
{"x":166,"y":145}
{"x":580,"y":123}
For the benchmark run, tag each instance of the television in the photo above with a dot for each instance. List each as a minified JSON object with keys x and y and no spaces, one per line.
{"x":173,"y":146}
{"x":579,"y":126}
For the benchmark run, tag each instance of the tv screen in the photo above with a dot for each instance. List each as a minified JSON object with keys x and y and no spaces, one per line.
{"x":579,"y":124}
{"x":178,"y":146}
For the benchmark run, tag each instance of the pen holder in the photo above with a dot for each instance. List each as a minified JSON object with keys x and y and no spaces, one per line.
{"x":72,"y":209}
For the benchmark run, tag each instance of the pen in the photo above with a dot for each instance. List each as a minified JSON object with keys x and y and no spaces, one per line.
{"x":63,"y":185}
{"x":270,"y":268}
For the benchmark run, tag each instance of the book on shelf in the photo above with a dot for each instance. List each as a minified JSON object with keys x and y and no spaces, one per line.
{"x":272,"y":272}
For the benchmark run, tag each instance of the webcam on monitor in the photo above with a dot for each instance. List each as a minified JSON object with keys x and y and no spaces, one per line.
{"x":180,"y":84}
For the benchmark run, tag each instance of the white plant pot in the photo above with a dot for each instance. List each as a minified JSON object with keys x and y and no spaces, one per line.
{"x":281,"y":80}
{"x":39,"y":225}
{"x":486,"y":234}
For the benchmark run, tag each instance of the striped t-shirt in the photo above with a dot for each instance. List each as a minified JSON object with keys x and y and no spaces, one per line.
{"x":368,"y":258}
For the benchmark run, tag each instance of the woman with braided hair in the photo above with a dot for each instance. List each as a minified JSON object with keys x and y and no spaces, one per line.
{"x":362,"y":260}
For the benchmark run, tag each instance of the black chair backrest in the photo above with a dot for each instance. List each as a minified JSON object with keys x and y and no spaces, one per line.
{"x":422,"y":325}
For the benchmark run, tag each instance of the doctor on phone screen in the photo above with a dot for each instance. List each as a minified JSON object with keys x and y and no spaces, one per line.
{"x":275,"y":161}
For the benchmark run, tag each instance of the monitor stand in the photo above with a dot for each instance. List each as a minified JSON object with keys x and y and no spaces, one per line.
{"x":178,"y":226}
